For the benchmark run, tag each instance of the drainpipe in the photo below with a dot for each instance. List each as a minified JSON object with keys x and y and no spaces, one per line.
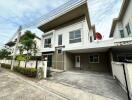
{"x":128,"y":93}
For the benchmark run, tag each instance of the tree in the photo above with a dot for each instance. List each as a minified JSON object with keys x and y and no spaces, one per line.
{"x":4,"y":53}
{"x":34,"y":49}
{"x":29,"y":45}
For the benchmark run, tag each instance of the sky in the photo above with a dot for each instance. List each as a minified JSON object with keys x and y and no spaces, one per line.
{"x":14,"y":13}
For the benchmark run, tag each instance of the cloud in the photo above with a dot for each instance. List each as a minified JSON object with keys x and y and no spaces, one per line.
{"x":102,"y":13}
{"x":21,"y":12}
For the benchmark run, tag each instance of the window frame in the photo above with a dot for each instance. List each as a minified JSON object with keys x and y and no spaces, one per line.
{"x":91,"y":39}
{"x":60,"y":52}
{"x":122,"y":34}
{"x":47,"y":45}
{"x":74,"y":36}
{"x":59,"y":39}
{"x":128,"y":29}
{"x":98,"y":57}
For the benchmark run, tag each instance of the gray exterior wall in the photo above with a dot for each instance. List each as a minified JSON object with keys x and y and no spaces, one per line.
{"x":103,"y":65}
{"x":66,"y":61}
{"x":58,"y":60}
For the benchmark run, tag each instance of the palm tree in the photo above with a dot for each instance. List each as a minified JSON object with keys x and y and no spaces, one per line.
{"x":27,"y":40}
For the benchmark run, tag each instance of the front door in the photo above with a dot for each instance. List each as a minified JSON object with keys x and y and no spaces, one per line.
{"x":49,"y":60}
{"x":77,"y":61}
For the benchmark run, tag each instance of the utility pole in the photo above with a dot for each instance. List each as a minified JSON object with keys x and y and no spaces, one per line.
{"x":18,"y":33}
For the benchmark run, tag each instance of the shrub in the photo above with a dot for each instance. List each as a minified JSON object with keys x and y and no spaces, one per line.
{"x":6,"y":66}
{"x":30,"y":72}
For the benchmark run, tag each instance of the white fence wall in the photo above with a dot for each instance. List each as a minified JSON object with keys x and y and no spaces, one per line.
{"x":22,"y":63}
{"x":118,"y":71}
{"x":30,"y":64}
{"x":5,"y":61}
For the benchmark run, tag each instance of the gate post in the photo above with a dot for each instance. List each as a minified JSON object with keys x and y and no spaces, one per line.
{"x":45,"y":69}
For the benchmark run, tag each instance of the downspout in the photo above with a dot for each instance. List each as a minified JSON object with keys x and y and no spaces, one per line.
{"x":128,"y":93}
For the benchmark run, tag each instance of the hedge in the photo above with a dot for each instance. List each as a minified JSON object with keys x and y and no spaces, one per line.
{"x":6,"y":66}
{"x":30,"y":72}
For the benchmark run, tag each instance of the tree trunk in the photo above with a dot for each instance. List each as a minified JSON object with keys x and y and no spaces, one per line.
{"x":36,"y":64}
{"x":25,"y":63}
{"x":19,"y":63}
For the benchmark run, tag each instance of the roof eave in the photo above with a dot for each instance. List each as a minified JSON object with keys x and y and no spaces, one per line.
{"x":82,"y":2}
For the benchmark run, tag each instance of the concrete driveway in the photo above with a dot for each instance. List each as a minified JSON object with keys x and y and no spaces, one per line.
{"x":97,"y":83}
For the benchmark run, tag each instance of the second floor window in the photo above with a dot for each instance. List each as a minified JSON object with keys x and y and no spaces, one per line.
{"x":122,"y":33}
{"x":47,"y":43}
{"x":75,"y":36}
{"x":91,"y":40}
{"x":59,"y":39}
{"x":128,"y":29}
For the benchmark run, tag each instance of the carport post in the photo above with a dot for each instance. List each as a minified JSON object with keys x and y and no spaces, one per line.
{"x":111,"y":58}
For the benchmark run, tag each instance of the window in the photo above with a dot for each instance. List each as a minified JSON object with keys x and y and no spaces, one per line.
{"x":75,"y":36}
{"x":77,"y":59}
{"x":94,"y":59}
{"x":90,"y":38}
{"x":123,"y":58}
{"x":122,"y":33}
{"x":47,"y":43}
{"x":128,"y":29}
{"x":60,"y":40}
{"x":59,"y":51}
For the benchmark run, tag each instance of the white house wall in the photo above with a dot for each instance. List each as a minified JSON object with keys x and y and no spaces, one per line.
{"x":128,"y":17}
{"x":118,"y":27}
{"x":65,"y":36}
{"x":122,"y":24}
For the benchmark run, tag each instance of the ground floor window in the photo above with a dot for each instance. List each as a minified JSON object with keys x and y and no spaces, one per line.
{"x":59,"y":51}
{"x":123,"y":58}
{"x":94,"y":59}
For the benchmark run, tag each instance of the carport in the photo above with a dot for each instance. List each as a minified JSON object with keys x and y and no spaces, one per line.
{"x":91,"y":59}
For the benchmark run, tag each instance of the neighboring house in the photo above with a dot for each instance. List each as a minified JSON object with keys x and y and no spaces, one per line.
{"x":68,"y":40}
{"x":11,"y":45}
{"x":121,"y":32}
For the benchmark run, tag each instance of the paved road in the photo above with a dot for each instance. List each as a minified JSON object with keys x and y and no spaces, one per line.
{"x":13,"y":87}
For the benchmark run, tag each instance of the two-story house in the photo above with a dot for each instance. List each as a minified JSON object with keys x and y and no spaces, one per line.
{"x":121,"y":32}
{"x":11,"y":46}
{"x":68,"y":36}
